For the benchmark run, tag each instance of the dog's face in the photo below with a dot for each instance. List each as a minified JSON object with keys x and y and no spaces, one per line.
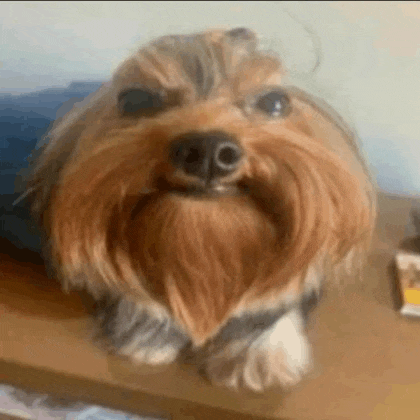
{"x":196,"y":182}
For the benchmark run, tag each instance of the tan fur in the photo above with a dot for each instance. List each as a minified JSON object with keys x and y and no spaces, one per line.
{"x":310,"y":199}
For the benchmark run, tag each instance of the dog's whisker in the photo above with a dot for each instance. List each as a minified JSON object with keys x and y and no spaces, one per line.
{"x":23,"y":196}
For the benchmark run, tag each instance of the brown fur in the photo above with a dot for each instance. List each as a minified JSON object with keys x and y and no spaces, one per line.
{"x":103,"y":187}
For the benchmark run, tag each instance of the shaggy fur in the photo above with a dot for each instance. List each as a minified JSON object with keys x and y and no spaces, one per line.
{"x":220,"y":272}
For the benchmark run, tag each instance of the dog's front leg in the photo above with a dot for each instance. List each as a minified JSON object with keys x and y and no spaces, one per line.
{"x":142,"y":334}
{"x":260,"y":351}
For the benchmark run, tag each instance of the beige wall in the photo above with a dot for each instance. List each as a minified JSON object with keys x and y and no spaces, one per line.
{"x":370,"y":66}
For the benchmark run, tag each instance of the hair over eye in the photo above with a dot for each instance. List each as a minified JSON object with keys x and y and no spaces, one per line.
{"x":140,"y":102}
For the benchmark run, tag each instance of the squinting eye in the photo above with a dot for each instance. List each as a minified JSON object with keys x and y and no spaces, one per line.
{"x":140,"y":102}
{"x":275,"y":104}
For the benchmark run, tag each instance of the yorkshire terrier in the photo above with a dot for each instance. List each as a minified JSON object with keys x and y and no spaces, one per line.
{"x":203,"y":201}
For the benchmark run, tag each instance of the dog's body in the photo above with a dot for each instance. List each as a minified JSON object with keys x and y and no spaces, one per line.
{"x":202,"y":202}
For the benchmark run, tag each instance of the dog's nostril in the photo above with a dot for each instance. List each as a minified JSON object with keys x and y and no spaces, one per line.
{"x":228,"y":155}
{"x":193,"y":155}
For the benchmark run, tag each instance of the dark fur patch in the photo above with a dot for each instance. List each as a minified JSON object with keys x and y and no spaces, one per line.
{"x":249,"y":324}
{"x":308,"y":303}
{"x":123,"y":322}
{"x":236,"y":336}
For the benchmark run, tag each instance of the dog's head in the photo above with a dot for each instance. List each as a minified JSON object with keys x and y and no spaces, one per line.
{"x":196,"y":181}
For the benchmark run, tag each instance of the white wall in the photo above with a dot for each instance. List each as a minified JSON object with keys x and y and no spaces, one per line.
{"x":370,"y":66}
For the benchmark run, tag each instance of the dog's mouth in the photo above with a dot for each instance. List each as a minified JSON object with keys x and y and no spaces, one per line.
{"x":211,"y":191}
{"x":197,"y":191}
{"x":201,"y":190}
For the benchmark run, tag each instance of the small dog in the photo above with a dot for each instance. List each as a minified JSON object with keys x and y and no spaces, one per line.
{"x":200,"y":200}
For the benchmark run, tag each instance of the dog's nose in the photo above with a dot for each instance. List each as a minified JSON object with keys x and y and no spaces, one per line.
{"x":206,"y":155}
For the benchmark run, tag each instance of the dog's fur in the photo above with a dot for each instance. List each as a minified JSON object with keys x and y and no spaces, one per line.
{"x":220,"y":272}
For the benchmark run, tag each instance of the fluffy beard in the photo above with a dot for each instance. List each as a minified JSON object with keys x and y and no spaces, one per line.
{"x":201,"y":257}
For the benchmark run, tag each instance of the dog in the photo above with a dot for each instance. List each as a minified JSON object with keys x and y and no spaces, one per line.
{"x":202,"y":201}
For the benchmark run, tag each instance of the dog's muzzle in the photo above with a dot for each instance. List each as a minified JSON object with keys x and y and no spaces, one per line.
{"x":208,"y":156}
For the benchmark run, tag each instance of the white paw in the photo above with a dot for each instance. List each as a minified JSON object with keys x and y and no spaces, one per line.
{"x":152,"y":356}
{"x":280,"y":357}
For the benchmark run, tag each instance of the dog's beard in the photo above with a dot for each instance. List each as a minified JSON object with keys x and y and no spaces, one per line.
{"x":200,"y":256}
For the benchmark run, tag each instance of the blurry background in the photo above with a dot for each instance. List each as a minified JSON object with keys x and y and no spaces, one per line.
{"x":369,"y":69}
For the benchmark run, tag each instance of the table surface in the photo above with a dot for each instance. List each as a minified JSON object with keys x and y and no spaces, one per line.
{"x":367,"y":354}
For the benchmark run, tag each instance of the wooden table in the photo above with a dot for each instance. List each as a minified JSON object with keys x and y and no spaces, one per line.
{"x":368,"y":355}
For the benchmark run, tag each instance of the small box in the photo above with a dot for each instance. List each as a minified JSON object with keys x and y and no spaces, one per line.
{"x":408,"y":277}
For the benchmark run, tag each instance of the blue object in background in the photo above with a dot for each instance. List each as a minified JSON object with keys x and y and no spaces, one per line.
{"x":24,"y":120}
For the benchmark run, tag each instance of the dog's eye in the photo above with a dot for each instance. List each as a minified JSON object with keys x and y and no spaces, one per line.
{"x":275,"y":104}
{"x":140,"y":102}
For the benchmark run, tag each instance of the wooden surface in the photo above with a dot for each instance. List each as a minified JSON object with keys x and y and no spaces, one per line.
{"x":7,"y":417}
{"x":367,"y":354}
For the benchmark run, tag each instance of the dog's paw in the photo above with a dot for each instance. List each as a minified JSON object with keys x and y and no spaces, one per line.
{"x":140,"y":334}
{"x":151,"y":356}
{"x":280,"y":357}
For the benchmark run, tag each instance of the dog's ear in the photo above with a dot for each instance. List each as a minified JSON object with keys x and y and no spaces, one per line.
{"x":55,"y":149}
{"x":320,"y":121}
{"x":324,"y":125}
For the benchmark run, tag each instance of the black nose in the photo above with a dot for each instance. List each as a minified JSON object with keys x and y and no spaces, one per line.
{"x":206,"y":155}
